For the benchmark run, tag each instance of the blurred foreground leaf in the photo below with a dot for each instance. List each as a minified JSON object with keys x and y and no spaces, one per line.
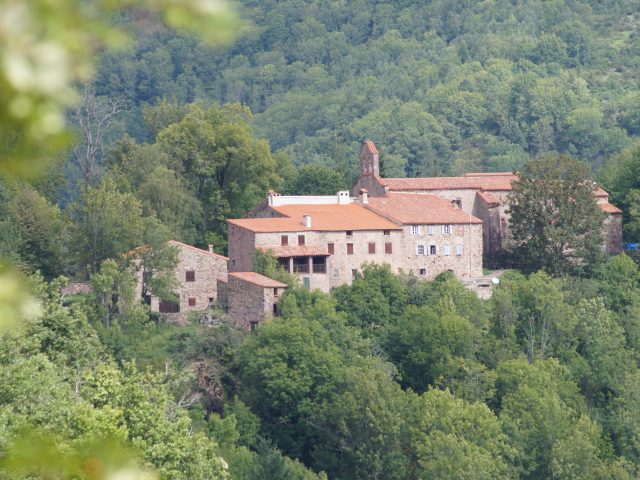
{"x":16,"y":303}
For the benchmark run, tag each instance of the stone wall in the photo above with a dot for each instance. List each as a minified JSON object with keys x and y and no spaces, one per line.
{"x":340,"y":266}
{"x":241,"y":245}
{"x":613,"y":233}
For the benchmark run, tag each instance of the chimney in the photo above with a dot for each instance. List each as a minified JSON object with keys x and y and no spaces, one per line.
{"x":343,"y":197}
{"x":210,"y":248}
{"x":364,"y":196}
{"x":306,"y":220}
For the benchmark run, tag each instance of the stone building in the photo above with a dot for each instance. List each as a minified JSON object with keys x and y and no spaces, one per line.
{"x":483,"y":195}
{"x":325,"y":240}
{"x":251,"y":298}
{"x":197,"y":273}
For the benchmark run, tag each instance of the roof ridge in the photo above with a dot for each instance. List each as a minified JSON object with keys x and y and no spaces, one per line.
{"x":199,"y":249}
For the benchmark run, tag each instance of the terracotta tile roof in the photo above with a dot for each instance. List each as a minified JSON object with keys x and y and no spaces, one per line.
{"x":257,"y":279}
{"x":408,"y":208}
{"x":608,"y":208}
{"x":494,"y":182}
{"x":145,"y":248}
{"x":324,"y":218}
{"x":600,"y":193}
{"x":280,"y":251}
{"x":489,"y":199}
{"x":200,"y":250}
{"x":371,"y":147}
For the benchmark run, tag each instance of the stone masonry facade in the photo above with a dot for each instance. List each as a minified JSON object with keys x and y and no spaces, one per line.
{"x":197,"y":273}
{"x":484,"y":195}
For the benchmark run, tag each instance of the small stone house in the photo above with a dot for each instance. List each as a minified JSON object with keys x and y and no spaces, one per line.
{"x":252,"y":298}
{"x":197,"y":273}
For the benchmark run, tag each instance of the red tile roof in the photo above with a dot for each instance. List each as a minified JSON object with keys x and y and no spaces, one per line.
{"x":257,"y":279}
{"x":295,"y":251}
{"x":600,"y":193}
{"x":371,"y":147}
{"x":608,"y":208}
{"x":495,"y":182}
{"x":199,"y":250}
{"x":409,"y":208}
{"x":489,"y":199}
{"x":324,"y":218}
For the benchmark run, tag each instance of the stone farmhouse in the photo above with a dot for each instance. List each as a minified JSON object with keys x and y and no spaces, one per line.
{"x":197,"y":273}
{"x":249,"y":297}
{"x":325,"y":240}
{"x":423,"y":226}
{"x":483,"y":195}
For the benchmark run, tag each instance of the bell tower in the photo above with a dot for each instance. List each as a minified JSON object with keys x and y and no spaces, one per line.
{"x":369,"y":159}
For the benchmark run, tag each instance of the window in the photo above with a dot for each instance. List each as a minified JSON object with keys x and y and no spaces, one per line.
{"x":415,"y":229}
{"x":458,"y":250}
{"x":330,"y":248}
{"x":387,"y":232}
{"x":284,"y":240}
{"x":419,"y":249}
{"x":372,"y":247}
{"x":300,"y":239}
{"x":447,"y":250}
{"x":388,"y":247}
{"x":192,"y":302}
{"x":253,"y":325}
{"x":336,"y":273}
{"x":319,"y":264}
{"x":284,"y":264}
{"x":430,"y":228}
{"x":169,"y":307}
{"x":190,"y":276}
{"x":300,"y":264}
{"x":433,"y":250}
{"x":349,"y":233}
{"x":354,"y":273}
{"x":423,"y":271}
{"x":211,"y":301}
{"x":306,"y":283}
{"x":275,"y":292}
{"x":446,"y":229}
{"x":349,"y":248}
{"x":276,"y":311}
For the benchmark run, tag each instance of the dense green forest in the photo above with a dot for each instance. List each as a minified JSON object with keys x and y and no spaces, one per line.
{"x":441,"y":87}
{"x":390,"y":377}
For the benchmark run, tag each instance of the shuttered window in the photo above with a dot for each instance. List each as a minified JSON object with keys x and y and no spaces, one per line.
{"x":388,"y":247}
{"x":190,"y":276}
{"x":349,"y":248}
{"x":372,"y":247}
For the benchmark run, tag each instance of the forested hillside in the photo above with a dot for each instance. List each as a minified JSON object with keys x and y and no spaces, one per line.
{"x":441,"y":87}
{"x":390,"y":377}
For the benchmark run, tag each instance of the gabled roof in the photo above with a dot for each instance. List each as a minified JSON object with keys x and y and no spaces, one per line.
{"x":199,"y":250}
{"x":608,"y":208}
{"x":422,"y":209}
{"x":257,"y":279}
{"x":371,"y":146}
{"x":324,"y":218}
{"x":487,"y":198}
{"x":471,"y":181}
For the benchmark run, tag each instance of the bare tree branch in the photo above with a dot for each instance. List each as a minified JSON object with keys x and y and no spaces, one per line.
{"x":93,"y":116}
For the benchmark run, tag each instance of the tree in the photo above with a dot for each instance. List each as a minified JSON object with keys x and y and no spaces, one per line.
{"x":555,"y":223}
{"x":93,"y":116}
{"x":42,"y":231}
{"x":109,"y":223}
{"x":316,"y":180}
